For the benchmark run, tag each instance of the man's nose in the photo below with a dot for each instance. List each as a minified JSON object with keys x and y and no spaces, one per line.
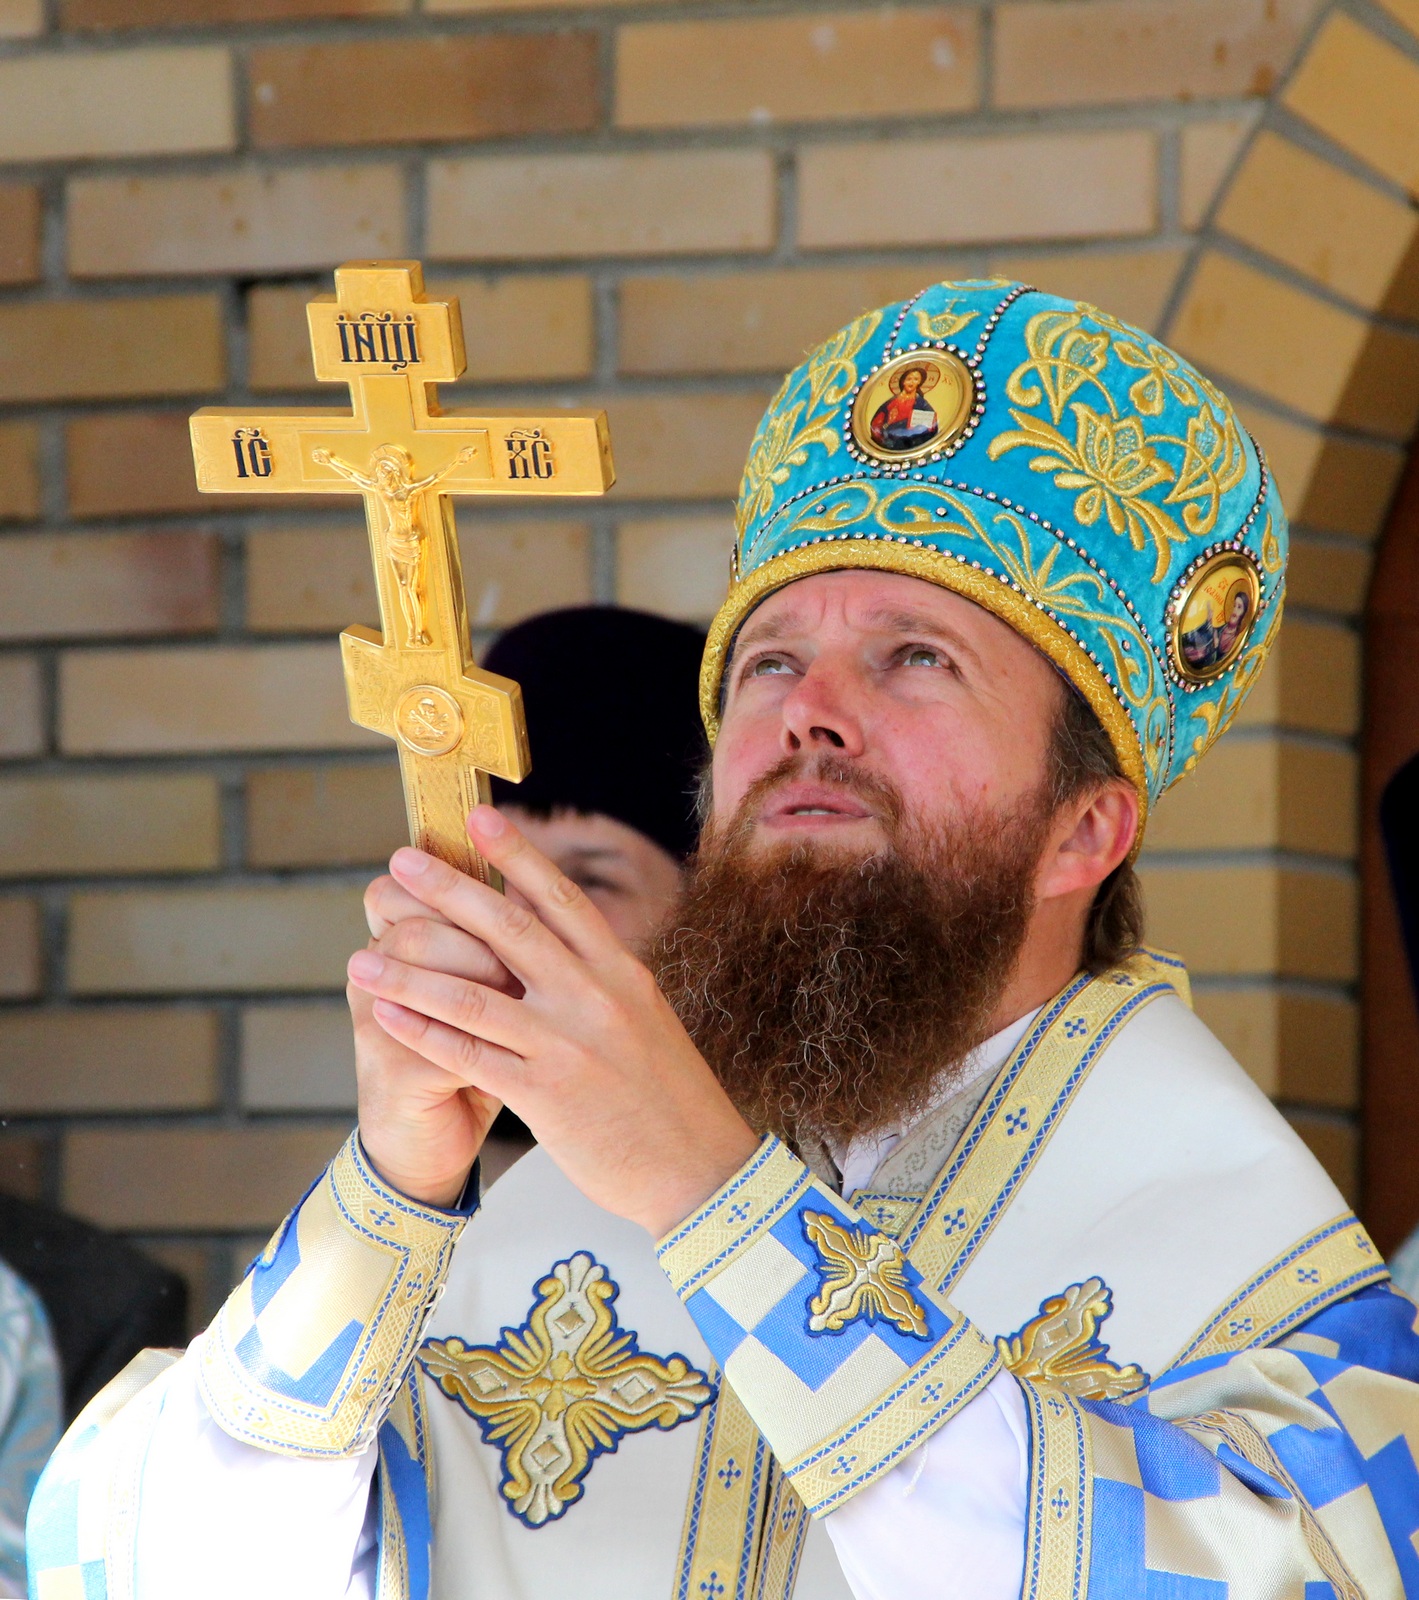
{"x":821,"y":712}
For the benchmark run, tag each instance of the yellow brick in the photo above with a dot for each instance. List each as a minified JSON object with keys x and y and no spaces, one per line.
{"x":1329,"y":364}
{"x":150,"y":702}
{"x":1336,"y":1145}
{"x":19,"y":472}
{"x":237,"y":940}
{"x":1298,"y":1047}
{"x":750,"y":321}
{"x":1343,"y":233}
{"x":21,"y":19}
{"x":1361,"y":91}
{"x":1311,"y":681}
{"x":494,"y":208}
{"x":1327,"y":481}
{"x":104,"y":14}
{"x":514,"y":329}
{"x":127,"y":462}
{"x":1328,"y":577}
{"x":177,"y":1179}
{"x":62,"y":107}
{"x":1102,"y":51}
{"x":1262,"y":794}
{"x":820,"y":66}
{"x":242,"y":221}
{"x":450,"y":6}
{"x":19,"y":233}
{"x":21,"y":967}
{"x":297,"y":1058}
{"x":1255,"y":921}
{"x":108,"y":583}
{"x":111,"y":349}
{"x":677,"y":566}
{"x":1404,"y":11}
{"x":335,"y":816}
{"x":687,"y":447}
{"x":1208,"y":151}
{"x":138,"y":1058}
{"x":973,"y":190}
{"x":58,"y":826}
{"x":1132,"y":284}
{"x":21,"y":707}
{"x":302,"y":579}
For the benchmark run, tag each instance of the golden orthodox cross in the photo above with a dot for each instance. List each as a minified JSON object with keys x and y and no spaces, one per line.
{"x":417,"y":683}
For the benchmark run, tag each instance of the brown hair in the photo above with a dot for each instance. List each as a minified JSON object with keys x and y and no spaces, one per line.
{"x":1081,"y":759}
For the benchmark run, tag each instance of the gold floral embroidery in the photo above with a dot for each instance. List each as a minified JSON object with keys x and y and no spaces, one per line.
{"x":788,"y":431}
{"x":1114,"y":462}
{"x":556,"y":1392}
{"x":946,"y":323}
{"x":1217,"y":715}
{"x":863,"y":1274}
{"x":1061,"y":1346}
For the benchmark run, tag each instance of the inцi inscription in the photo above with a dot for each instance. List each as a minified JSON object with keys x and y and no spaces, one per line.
{"x":415,"y":680}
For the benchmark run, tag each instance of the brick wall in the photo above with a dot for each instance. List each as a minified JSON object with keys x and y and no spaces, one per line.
{"x":651,"y":206}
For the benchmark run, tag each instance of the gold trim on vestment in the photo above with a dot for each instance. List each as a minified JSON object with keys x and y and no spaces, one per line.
{"x":724,"y":1517}
{"x":1331,"y":1262}
{"x":1060,"y":1503}
{"x":1019,"y":1114}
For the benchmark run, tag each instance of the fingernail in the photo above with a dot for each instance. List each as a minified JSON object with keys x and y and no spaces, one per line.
{"x":365,"y":964}
{"x":488,"y":822}
{"x":410,"y":861}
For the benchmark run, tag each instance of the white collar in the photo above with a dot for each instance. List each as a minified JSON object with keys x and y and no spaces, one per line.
{"x":868,"y":1151}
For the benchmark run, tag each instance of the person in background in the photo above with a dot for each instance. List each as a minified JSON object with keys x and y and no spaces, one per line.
{"x":613,"y":720}
{"x":29,"y":1416}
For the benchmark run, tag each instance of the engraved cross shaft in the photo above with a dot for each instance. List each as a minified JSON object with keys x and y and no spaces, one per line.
{"x":417,"y":683}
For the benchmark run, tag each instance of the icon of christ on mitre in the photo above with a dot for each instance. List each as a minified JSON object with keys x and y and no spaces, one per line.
{"x":895,"y":1228}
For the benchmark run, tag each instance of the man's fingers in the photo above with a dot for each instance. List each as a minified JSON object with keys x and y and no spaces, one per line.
{"x":474,"y":1062}
{"x":560,"y":903}
{"x":387,"y":902}
{"x":472,"y":1008}
{"x":524,"y":943}
{"x":435,"y":944}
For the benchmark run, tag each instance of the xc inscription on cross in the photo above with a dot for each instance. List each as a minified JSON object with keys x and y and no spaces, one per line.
{"x":416,"y":682}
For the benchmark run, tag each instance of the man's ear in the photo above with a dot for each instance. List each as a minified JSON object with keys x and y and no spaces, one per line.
{"x":1091,"y":836}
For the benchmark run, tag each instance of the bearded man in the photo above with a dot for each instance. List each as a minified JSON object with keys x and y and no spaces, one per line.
{"x":982,"y":1270}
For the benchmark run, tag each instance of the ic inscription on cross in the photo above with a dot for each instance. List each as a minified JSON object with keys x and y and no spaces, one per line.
{"x":417,"y":683}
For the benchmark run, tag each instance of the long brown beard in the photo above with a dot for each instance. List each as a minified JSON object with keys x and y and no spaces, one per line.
{"x":835,"y":997}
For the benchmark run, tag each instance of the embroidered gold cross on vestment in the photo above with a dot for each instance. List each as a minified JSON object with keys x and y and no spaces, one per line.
{"x":416,"y":683}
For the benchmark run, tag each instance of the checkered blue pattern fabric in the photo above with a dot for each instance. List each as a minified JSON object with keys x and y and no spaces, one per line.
{"x":840,"y":1351}
{"x":1289,"y":1471}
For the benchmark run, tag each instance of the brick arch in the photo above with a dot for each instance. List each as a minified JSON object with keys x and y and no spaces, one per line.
{"x":1302,"y":297}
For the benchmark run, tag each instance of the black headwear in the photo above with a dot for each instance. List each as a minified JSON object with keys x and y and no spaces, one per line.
{"x":612,"y":716}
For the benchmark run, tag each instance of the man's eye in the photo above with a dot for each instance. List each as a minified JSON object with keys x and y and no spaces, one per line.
{"x":767,"y":665}
{"x":923,"y":658}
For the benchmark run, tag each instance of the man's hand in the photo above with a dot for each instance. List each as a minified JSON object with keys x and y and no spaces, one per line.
{"x":421,"y":1126}
{"x":581,"y":1043}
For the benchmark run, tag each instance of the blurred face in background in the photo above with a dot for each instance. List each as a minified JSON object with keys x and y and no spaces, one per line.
{"x":632,"y":880}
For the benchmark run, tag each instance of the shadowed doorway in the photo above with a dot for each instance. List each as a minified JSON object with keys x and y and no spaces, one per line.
{"x":1390,"y":784}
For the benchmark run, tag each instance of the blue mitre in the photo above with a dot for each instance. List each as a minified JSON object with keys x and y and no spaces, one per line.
{"x":1051,"y":463}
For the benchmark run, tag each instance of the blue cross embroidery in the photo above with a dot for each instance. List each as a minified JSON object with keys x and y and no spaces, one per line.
{"x":741,"y":1211}
{"x":1060,"y":1502}
{"x":932,"y":1392}
{"x":883,"y":1214}
{"x":1075,"y":1027}
{"x":1238,"y":1326}
{"x":1056,"y":1405}
{"x":789,"y":1516}
{"x":1017,"y":1121}
{"x":730,"y":1473}
{"x":955,"y":1223}
{"x":842,"y":1466}
{"x":1308,"y":1274}
{"x":712,"y":1587}
{"x":1363,"y":1245}
{"x":1123,"y":980}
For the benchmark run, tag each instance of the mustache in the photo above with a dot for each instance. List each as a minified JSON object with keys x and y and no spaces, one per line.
{"x":875,"y":791}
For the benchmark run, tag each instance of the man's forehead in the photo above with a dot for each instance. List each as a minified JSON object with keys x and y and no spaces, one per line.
{"x":882,"y":601}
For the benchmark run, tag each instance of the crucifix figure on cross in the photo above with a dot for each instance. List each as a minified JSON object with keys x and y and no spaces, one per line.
{"x":416,"y":680}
